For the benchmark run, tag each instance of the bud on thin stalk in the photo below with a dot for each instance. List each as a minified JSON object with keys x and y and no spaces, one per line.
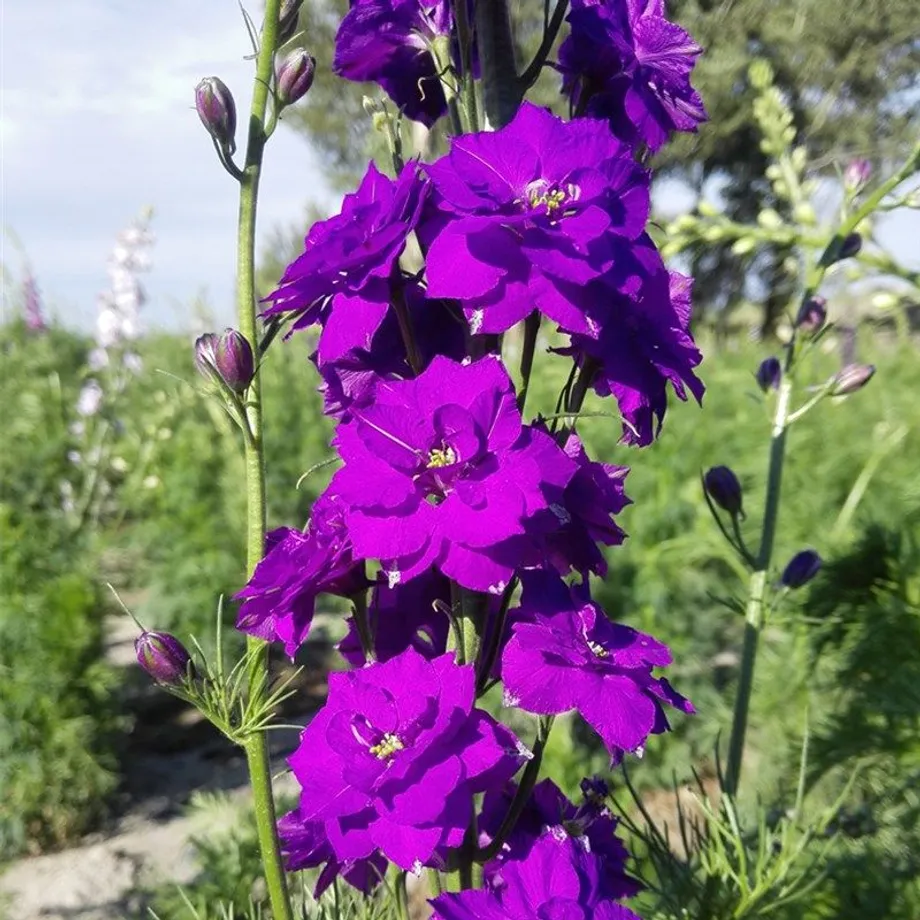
{"x":206,"y":355}
{"x":234,"y":360}
{"x":294,"y":76}
{"x":723,"y":487}
{"x":851,"y":245}
{"x":163,"y":657}
{"x":812,"y":315}
{"x":856,"y":175}
{"x":217,"y":112}
{"x":852,"y":378}
{"x":769,"y":374}
{"x":801,"y":569}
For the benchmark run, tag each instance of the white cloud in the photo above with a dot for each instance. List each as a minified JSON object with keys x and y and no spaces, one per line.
{"x":98,"y":121}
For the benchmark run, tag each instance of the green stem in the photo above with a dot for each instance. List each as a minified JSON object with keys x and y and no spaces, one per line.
{"x":500,"y":93}
{"x":256,"y":747}
{"x":754,"y":618}
{"x":531,"y":331}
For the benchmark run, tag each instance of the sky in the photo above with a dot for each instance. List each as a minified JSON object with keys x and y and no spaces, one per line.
{"x":97,"y":122}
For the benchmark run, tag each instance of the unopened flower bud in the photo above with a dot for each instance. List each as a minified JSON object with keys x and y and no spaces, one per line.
{"x":800,"y":570}
{"x":217,"y":112}
{"x":850,"y":246}
{"x":163,"y":657}
{"x":206,"y":354}
{"x":288,"y":18}
{"x":594,"y":789}
{"x":294,"y":76}
{"x":723,"y":488}
{"x":857,"y":174}
{"x":852,"y":378}
{"x":812,"y":315}
{"x":769,"y":374}
{"x":234,"y":360}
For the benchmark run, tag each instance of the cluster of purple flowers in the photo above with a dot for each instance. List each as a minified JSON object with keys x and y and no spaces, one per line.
{"x":448,"y":500}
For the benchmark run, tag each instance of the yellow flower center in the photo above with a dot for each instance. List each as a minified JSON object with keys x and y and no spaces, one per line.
{"x":553,"y":199}
{"x":597,"y":649}
{"x":441,"y":457}
{"x":387,"y":747}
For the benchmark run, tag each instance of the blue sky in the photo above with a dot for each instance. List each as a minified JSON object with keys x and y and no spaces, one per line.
{"x":97,"y":122}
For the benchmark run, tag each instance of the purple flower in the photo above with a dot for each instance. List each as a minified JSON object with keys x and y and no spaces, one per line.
{"x":529,"y":215}
{"x":345,"y":277}
{"x":556,"y":881}
{"x":163,"y":657}
{"x":349,"y":381}
{"x":32,"y":304}
{"x":440,"y":471}
{"x":305,"y":845}
{"x":801,"y":568}
{"x":279,"y":599}
{"x":590,"y":825}
{"x":584,"y":517}
{"x":769,"y":374}
{"x":565,"y":654}
{"x":627,"y":63}
{"x":644,"y":343}
{"x":388,"y":42}
{"x":401,"y":617}
{"x":394,"y":758}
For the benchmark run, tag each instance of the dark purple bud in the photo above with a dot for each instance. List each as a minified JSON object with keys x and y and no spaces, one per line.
{"x":723,"y":488}
{"x":294,"y":76}
{"x":802,"y":567}
{"x":288,"y":18}
{"x":594,"y":789}
{"x":852,"y":378}
{"x":163,"y":657}
{"x":234,"y":360}
{"x":857,"y":174}
{"x":206,"y":354}
{"x":217,"y":112}
{"x":812,"y":315}
{"x":850,"y":246}
{"x":769,"y":374}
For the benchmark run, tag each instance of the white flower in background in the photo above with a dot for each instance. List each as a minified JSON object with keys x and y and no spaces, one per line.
{"x":90,"y":398}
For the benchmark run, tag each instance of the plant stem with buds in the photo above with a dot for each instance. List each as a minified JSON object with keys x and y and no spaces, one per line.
{"x":256,"y":746}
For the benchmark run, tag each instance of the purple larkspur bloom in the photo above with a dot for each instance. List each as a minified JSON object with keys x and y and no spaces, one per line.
{"x":441,"y":471}
{"x":393,"y":759}
{"x":590,"y":824}
{"x":348,"y":272}
{"x":350,"y":380}
{"x":279,"y":599}
{"x":32,"y":304}
{"x":528,"y":215}
{"x":401,"y":617}
{"x":627,"y":63}
{"x":643,"y":313}
{"x":305,"y":845}
{"x":389,"y":42}
{"x":556,"y":881}
{"x":564,"y":654}
{"x":585,"y":515}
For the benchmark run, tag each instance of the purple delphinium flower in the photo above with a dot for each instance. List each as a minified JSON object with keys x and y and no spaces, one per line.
{"x":556,"y":881}
{"x":644,"y":342}
{"x":440,"y":471}
{"x":279,"y":599}
{"x":394,"y":758}
{"x":388,"y":42}
{"x":526,"y":216}
{"x":584,"y":517}
{"x":350,"y":380}
{"x":401,"y":617}
{"x":345,"y":277}
{"x":627,"y":63}
{"x":590,"y":824}
{"x":565,"y":654}
{"x":305,"y":845}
